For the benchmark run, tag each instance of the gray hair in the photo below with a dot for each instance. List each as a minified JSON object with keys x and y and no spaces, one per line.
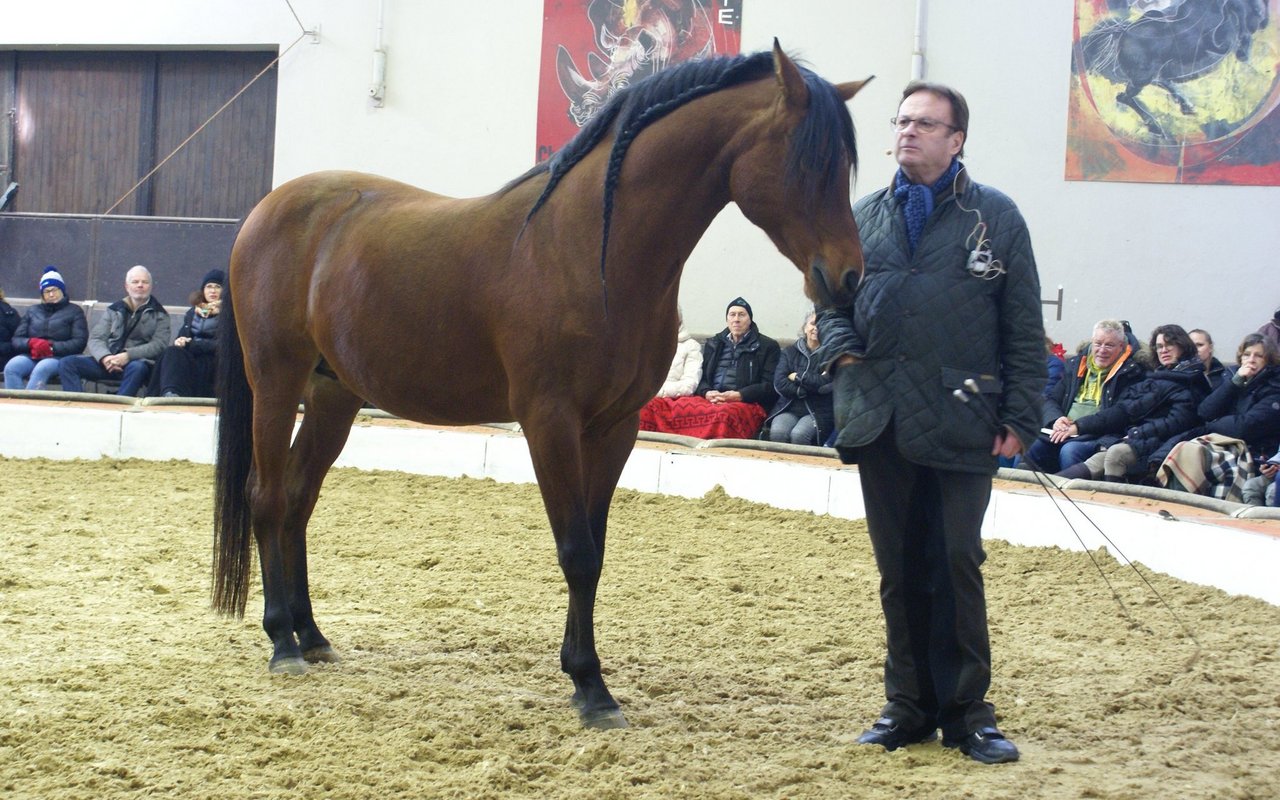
{"x":1111,"y":326}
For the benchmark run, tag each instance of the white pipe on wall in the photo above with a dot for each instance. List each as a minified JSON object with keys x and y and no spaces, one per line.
{"x":378,"y":87}
{"x":917,"y":45}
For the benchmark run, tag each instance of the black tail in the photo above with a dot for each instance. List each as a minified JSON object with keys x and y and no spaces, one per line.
{"x":232,"y":525}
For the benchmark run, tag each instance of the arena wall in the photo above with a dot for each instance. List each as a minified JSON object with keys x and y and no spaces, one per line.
{"x":1236,"y":559}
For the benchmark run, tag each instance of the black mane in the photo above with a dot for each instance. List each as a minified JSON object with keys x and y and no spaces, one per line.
{"x":824,"y":138}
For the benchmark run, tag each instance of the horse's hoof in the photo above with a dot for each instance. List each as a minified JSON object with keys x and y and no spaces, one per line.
{"x":603,"y":720}
{"x":287,"y":666}
{"x":324,"y":654}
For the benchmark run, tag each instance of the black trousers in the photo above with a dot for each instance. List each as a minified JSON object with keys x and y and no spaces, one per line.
{"x":184,"y":371}
{"x":925,"y":527}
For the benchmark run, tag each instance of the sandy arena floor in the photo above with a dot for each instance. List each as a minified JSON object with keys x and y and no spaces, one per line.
{"x":743,"y":642}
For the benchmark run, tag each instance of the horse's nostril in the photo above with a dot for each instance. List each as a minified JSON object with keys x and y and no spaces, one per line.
{"x":851,"y":280}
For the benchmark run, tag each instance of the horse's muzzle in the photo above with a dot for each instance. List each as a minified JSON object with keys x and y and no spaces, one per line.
{"x":827,"y":294}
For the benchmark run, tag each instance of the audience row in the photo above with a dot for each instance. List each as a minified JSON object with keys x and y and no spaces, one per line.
{"x":1165,"y":413}
{"x":129,"y":343}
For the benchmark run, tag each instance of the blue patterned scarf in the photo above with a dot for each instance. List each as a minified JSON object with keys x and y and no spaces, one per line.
{"x":916,"y":200}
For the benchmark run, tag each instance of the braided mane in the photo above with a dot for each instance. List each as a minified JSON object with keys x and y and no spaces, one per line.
{"x":819,"y":145}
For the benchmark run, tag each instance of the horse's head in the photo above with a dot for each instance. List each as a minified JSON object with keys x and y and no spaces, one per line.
{"x":792,"y":178}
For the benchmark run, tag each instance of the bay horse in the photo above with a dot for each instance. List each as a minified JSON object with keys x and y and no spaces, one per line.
{"x":346,"y":288}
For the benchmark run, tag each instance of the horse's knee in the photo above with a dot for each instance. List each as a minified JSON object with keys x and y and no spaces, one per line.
{"x":579,"y":560}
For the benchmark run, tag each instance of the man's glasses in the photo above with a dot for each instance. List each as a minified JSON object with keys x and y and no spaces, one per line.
{"x":923,"y":124}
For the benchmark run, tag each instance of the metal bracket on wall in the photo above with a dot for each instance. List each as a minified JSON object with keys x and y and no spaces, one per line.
{"x":1058,"y":303}
{"x":313,"y":33}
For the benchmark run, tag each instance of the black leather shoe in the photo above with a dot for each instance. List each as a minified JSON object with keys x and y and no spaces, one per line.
{"x":987,"y":745}
{"x":891,"y":735}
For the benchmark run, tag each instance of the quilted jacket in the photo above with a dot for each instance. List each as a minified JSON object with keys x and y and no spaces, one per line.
{"x":756,"y":366}
{"x":923,"y":325}
{"x":61,"y":323}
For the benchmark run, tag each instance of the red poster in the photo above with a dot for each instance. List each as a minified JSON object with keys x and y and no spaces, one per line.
{"x":593,"y":48}
{"x":1175,"y":91}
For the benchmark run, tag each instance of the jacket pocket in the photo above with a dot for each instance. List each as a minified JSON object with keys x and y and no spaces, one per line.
{"x":975,"y":422}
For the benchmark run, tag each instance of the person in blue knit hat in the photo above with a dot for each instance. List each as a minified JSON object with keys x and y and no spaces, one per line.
{"x":52,"y":329}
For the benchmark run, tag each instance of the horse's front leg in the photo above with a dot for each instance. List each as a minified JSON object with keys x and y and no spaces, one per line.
{"x":556,"y":450}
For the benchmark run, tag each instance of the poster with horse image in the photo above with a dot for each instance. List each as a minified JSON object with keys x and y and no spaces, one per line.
{"x":593,"y":48}
{"x":1175,"y":91}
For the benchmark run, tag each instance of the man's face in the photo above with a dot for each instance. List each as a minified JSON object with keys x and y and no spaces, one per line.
{"x":925,"y":156}
{"x":137,"y":284}
{"x":738,"y":320}
{"x":1107,"y":346}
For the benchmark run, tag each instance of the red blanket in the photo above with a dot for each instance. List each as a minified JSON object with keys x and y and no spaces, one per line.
{"x":697,"y":416}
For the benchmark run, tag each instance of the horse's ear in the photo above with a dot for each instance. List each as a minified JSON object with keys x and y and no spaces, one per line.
{"x":848,"y":90}
{"x":790,"y":81}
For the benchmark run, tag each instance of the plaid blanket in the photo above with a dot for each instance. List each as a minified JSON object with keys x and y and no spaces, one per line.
{"x":1213,"y":465}
{"x":697,"y":416}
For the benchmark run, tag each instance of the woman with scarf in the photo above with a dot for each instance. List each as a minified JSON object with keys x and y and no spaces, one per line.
{"x":186,"y":367}
{"x":1092,"y":382}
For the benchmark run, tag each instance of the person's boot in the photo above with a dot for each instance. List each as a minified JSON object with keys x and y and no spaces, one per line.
{"x":1080,"y":470}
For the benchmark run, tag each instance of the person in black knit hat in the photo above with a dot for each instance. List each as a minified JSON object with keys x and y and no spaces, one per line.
{"x":186,"y":367}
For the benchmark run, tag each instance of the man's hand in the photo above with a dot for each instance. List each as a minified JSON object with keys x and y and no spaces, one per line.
{"x":1007,"y":444}
{"x":115,"y":363}
{"x":1063,"y":429}
{"x":724,"y":397}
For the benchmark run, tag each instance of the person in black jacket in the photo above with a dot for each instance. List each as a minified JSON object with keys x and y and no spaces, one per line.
{"x":1092,"y":382}
{"x":9,"y":320}
{"x":52,"y":330}
{"x":949,"y":302}
{"x":738,"y":362}
{"x":1246,"y":407}
{"x":1214,"y":372}
{"x":803,"y":413}
{"x":1146,"y":413}
{"x":186,"y":368}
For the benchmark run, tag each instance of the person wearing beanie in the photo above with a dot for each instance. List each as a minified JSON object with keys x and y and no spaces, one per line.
{"x":736,"y":388}
{"x":51,"y":331}
{"x":187,"y":367}
{"x":9,"y":320}
{"x":125,"y":341}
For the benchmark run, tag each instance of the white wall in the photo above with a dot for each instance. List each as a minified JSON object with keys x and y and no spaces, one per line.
{"x":460,"y":119}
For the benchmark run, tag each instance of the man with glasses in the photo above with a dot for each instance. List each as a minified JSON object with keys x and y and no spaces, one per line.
{"x":1092,"y":382}
{"x":938,"y":369}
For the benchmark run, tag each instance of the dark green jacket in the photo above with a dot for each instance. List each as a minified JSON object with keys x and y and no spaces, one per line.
{"x":923,"y":324}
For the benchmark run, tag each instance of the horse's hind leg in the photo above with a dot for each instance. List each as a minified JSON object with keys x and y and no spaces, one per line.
{"x":326,"y":423}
